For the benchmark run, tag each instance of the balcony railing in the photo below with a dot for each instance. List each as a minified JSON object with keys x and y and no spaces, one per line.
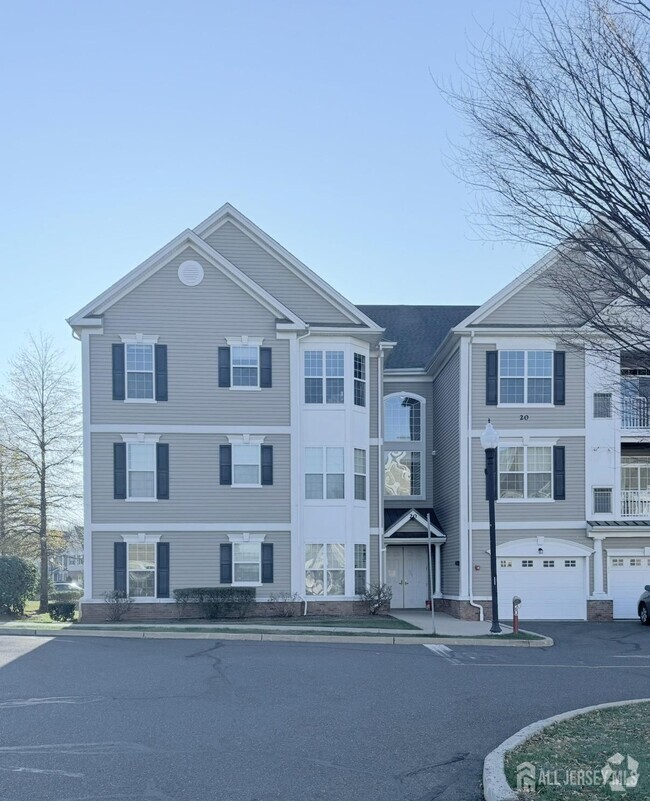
{"x":635,"y":503}
{"x":635,"y":413}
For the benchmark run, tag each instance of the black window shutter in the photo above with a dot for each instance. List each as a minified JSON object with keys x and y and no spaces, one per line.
{"x":161,"y":372}
{"x":119,"y":567}
{"x":225,"y":576}
{"x":119,"y":470}
{"x":162,"y":471}
{"x":266,"y":373}
{"x":225,"y":464}
{"x":162,"y":570}
{"x":267,"y":464}
{"x":559,"y":473}
{"x":118,"y":372}
{"x":224,"y":367}
{"x":559,"y":377}
{"x":492,"y":377}
{"x":267,"y":563}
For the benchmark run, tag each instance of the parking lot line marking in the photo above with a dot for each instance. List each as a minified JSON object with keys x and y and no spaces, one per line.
{"x":444,"y":651}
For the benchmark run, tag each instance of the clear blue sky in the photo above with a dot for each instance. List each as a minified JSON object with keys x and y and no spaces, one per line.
{"x":125,"y":122}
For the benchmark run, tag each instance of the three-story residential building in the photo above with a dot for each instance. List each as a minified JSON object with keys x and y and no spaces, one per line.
{"x":246,"y":425}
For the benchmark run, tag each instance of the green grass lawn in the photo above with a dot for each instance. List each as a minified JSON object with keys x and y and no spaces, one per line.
{"x":31,"y":615}
{"x":586,"y":743}
{"x":367,"y":622}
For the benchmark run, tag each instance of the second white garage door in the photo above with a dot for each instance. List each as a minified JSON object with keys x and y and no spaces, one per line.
{"x":626,"y":578}
{"x":550,"y":588}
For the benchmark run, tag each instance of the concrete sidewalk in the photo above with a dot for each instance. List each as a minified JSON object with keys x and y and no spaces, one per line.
{"x":446,"y":625}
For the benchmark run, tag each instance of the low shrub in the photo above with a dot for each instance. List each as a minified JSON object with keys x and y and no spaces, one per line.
{"x":17,"y":582}
{"x":377,"y":597}
{"x":216,"y":602}
{"x":62,"y":611}
{"x":285,"y":604}
{"x":117,"y":605}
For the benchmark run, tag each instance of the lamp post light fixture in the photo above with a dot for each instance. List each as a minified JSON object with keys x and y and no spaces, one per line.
{"x":490,"y":443}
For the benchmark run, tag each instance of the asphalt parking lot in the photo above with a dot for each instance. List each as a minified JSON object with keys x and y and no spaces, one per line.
{"x":202,"y":720}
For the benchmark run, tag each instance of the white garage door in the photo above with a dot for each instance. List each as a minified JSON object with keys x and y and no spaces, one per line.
{"x":626,"y":578}
{"x":550,"y":588}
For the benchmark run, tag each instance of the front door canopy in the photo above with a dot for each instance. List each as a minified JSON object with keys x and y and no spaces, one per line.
{"x":394,"y":528}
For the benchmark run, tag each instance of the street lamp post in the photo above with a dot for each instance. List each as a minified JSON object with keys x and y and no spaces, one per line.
{"x":490,"y":443}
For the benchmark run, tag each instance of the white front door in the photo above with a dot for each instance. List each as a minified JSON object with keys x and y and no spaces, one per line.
{"x":407,"y":574}
{"x":550,"y":588}
{"x":626,"y":580}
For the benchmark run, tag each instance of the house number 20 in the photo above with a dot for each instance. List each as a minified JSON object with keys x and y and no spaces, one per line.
{"x":523,"y":417}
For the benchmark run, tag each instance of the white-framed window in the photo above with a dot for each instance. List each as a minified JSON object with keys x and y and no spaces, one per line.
{"x":404,"y":439}
{"x":602,"y":500}
{"x":245,"y":365}
{"x":140,"y":367}
{"x":635,"y":562}
{"x":359,"y":379}
{"x":325,"y":569}
{"x":324,"y":473}
{"x":506,"y":563}
{"x":246,"y":464}
{"x":360,"y":568}
{"x":141,"y":569}
{"x":141,"y":470}
{"x":324,"y":376}
{"x":526,"y":376}
{"x":526,"y":562}
{"x":526,"y":472}
{"x":360,"y":471}
{"x":602,"y":405}
{"x":246,"y":563}
{"x":570,"y":563}
{"x":549,"y":563}
{"x":618,"y":562}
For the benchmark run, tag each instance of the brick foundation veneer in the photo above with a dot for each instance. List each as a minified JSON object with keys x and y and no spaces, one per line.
{"x":98,"y":612}
{"x":600,"y":610}
{"x":463,"y":609}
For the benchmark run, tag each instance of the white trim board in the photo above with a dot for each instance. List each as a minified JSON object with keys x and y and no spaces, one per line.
{"x":532,"y":526}
{"x":228,"y":213}
{"x":162,"y":257}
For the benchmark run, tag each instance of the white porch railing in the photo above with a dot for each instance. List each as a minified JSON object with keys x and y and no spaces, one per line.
{"x":635,"y":503}
{"x":635,"y":413}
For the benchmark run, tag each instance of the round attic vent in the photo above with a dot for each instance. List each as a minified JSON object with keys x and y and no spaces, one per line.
{"x":190,"y":273}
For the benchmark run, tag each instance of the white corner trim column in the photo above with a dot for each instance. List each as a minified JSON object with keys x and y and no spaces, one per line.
{"x":599,"y":587}
{"x":437,"y":585}
{"x":87,"y":460}
{"x":297,"y":551}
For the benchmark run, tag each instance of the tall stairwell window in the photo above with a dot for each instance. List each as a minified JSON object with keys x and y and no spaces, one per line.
{"x":404,"y":439}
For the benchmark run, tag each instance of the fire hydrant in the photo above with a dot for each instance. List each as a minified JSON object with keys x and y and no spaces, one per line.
{"x":516,"y":601}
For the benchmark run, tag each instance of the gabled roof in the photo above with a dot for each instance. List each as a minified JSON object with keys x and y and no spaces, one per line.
{"x":511,"y":289}
{"x":395,"y":519}
{"x":418,"y":330}
{"x":143,"y":271}
{"x":228,"y":213}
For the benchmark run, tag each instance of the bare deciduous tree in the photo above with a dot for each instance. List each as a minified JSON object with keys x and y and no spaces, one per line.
{"x":559,"y":145}
{"x":42,"y":424}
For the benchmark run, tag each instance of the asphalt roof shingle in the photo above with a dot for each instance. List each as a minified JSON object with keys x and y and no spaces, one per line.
{"x":418,"y":330}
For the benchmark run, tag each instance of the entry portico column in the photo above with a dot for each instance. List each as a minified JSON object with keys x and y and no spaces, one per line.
{"x":438,"y":573}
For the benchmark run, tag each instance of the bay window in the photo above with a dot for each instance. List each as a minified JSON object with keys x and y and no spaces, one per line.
{"x":324,"y":376}
{"x":324,"y":473}
{"x":325,"y":569}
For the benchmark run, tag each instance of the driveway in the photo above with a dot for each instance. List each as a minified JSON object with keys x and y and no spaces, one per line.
{"x":200,"y":720}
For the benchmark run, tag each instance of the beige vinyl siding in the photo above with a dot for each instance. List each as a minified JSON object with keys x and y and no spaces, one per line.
{"x":534,"y":304}
{"x":481,"y":546}
{"x":274,"y":276}
{"x":446,"y":467}
{"x":194,"y":560}
{"x":373,"y":498}
{"x":571,"y":415}
{"x":193,"y":322}
{"x":194,"y":489}
{"x":373,"y":559}
{"x":573,"y":508}
{"x":424,"y":390}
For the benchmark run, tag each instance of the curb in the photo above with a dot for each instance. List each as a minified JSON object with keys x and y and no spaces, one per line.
{"x":271,"y":637}
{"x":495,"y":784}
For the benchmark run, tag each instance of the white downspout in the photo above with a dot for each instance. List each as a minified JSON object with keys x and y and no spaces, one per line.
{"x":470,"y":543}
{"x":380,"y":460}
